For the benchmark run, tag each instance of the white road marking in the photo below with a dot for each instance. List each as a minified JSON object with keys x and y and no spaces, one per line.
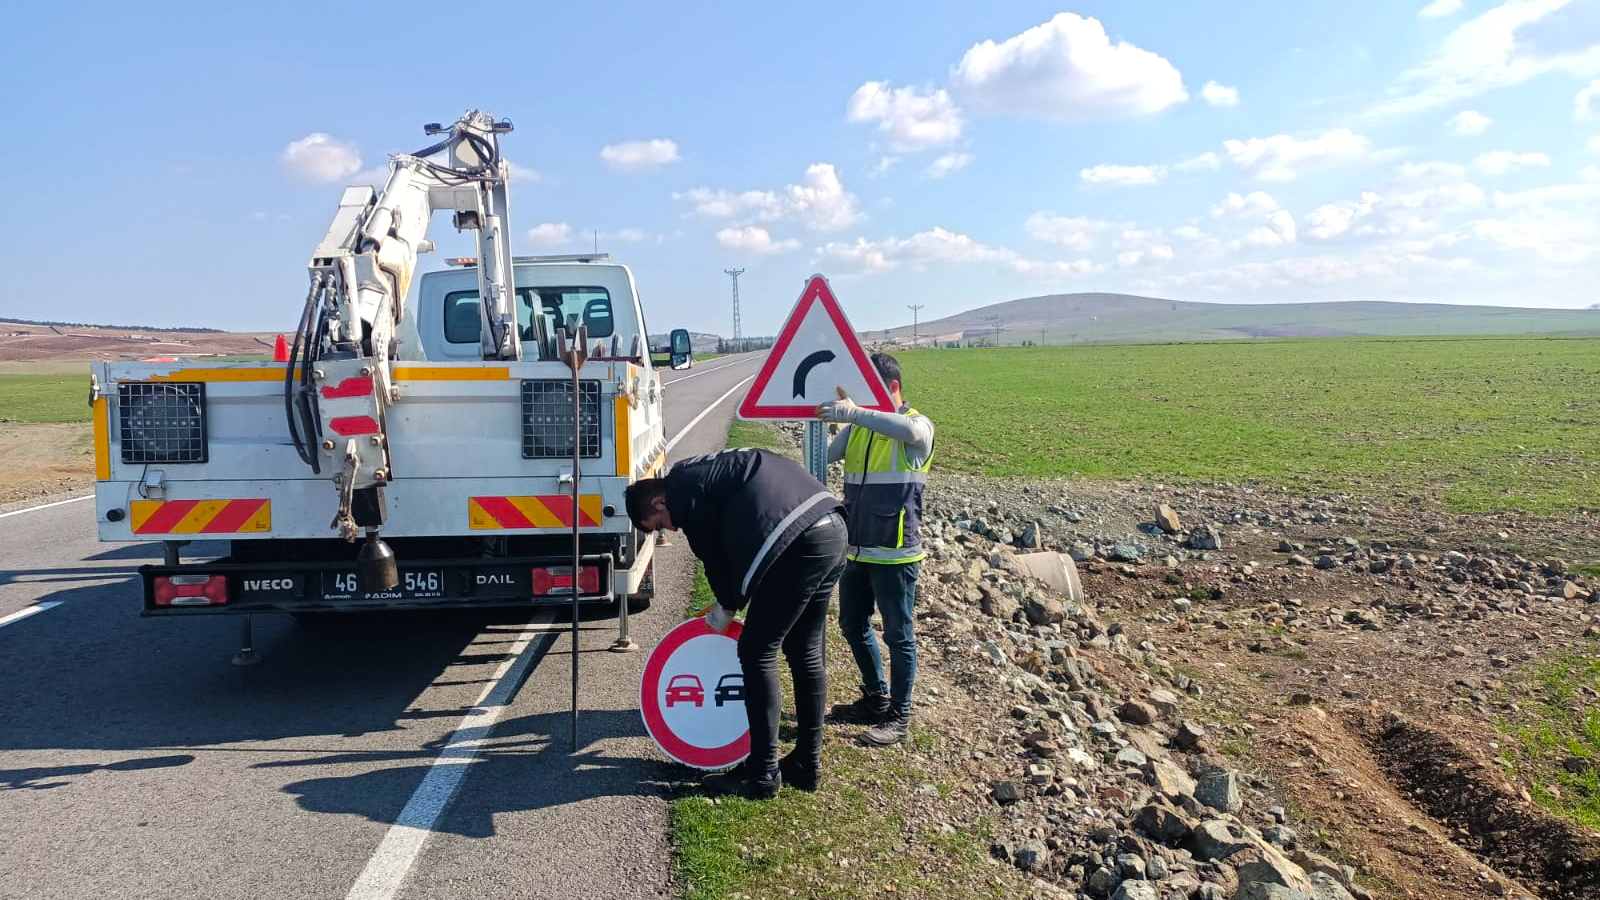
{"x":742,"y":359}
{"x":35,"y":609}
{"x":386,"y":871}
{"x":703,"y":413}
{"x":18,"y":512}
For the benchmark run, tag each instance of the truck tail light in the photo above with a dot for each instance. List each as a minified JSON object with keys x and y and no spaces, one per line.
{"x":549,"y":580}
{"x":191,"y":590}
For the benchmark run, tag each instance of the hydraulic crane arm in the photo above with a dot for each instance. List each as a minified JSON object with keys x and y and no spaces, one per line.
{"x":338,"y":394}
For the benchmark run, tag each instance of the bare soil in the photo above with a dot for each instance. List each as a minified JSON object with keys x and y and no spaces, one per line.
{"x":54,"y":343}
{"x":44,"y":460}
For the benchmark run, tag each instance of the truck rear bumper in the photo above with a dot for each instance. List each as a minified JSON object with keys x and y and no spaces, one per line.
{"x":224,"y":587}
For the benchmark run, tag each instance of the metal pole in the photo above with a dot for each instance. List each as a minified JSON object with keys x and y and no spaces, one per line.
{"x":577,"y":355}
{"x":738,"y":334}
{"x":816,"y":450}
{"x":914,"y":307}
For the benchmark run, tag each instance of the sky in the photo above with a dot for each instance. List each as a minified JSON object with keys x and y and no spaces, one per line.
{"x":180,"y":162}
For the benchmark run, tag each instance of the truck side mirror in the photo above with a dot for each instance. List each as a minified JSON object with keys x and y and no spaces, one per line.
{"x":681,"y":349}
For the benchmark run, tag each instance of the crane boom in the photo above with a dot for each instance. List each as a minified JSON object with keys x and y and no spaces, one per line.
{"x":338,"y":395}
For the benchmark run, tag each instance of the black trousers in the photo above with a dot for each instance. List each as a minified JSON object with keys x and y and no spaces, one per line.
{"x":788,"y":611}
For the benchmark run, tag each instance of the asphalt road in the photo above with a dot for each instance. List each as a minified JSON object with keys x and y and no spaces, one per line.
{"x":413,"y":757}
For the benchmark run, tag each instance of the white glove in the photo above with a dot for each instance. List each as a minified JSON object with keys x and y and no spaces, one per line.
{"x":718,"y":618}
{"x":842,"y":410}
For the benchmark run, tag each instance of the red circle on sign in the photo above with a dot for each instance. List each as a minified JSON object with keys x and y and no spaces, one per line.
{"x":650,"y":703}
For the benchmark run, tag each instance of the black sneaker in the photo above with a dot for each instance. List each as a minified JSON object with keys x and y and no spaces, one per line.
{"x":868,"y":709}
{"x":798,"y":774}
{"x":738,"y":781}
{"x":895,"y":730}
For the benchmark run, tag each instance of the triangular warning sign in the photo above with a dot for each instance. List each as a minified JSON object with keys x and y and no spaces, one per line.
{"x":816,"y":354}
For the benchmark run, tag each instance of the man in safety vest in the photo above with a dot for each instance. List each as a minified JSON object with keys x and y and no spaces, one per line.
{"x":886,"y":458}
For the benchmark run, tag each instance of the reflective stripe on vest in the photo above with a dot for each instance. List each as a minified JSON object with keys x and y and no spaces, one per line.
{"x":883,"y":493}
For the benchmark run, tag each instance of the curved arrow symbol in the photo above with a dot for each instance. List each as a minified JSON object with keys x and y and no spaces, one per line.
{"x":805,"y":367}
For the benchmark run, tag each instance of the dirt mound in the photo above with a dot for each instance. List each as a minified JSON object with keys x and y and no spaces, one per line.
{"x":1455,"y":784}
{"x":29,"y":343}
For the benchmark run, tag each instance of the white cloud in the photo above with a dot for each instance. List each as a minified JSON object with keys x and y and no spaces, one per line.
{"x":1159,"y":253}
{"x":1589,"y":174}
{"x":1122,"y":176}
{"x":1067,"y":69}
{"x":640,"y":156}
{"x":1510,"y":44}
{"x":948,"y":164}
{"x":1219,"y":95}
{"x":1468,"y":121}
{"x":1189,"y":232}
{"x":1208,"y":161}
{"x":1386,"y":266}
{"x":920,"y":250}
{"x":754,"y":239}
{"x":270,"y":217}
{"x":1334,"y":219}
{"x":1280,"y":229}
{"x":1499,"y":162}
{"x":882,"y":166}
{"x":550,"y":234}
{"x":1253,"y":203}
{"x":1076,"y":232}
{"x":1587,"y":104}
{"x":625,"y":236}
{"x":523,"y":174}
{"x":909,"y":118}
{"x":1046,"y":269}
{"x":1438,"y":9}
{"x":320,"y":157}
{"x":1282,"y":157}
{"x":1594,"y":144}
{"x":819,"y":202}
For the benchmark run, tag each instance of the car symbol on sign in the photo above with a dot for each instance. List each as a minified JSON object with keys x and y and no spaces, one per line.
{"x":730,"y":687}
{"x":685,"y":689}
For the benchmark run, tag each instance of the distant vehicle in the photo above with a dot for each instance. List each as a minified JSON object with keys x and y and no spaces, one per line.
{"x":687,"y":689}
{"x":730,"y":687}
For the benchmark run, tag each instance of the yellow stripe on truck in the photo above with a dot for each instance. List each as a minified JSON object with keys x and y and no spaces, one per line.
{"x":451,"y":373}
{"x":102,"y":439}
{"x":624,"y":439}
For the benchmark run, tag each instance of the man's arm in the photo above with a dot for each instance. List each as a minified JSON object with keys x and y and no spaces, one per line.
{"x":915,"y":432}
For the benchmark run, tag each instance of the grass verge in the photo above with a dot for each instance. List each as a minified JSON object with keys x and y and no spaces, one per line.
{"x":1557,"y":749}
{"x":1475,"y":425}
{"x":44,"y":398}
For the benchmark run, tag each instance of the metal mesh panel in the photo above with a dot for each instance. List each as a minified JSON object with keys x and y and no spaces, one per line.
{"x":162,"y":422}
{"x":547,"y":418}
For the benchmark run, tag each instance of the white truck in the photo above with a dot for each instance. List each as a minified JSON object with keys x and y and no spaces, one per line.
{"x":436,"y":419}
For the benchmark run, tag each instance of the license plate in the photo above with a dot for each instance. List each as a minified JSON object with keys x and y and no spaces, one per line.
{"x":415,"y":584}
{"x":276,"y":586}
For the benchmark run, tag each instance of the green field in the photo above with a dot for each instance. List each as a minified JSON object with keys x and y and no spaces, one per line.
{"x":1468,"y":424}
{"x":44,"y":398}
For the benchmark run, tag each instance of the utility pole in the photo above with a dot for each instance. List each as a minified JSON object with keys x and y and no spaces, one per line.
{"x":735,"y":273}
{"x":997,"y":334}
{"x":914,"y":307}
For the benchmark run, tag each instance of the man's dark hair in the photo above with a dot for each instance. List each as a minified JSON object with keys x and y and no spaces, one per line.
{"x":888,"y":367}
{"x":640,"y":496}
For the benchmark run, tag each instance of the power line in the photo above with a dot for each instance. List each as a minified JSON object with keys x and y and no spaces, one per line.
{"x":914,"y":307}
{"x":737,"y":331}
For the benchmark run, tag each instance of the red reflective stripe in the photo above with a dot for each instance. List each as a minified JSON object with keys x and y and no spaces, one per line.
{"x":501,"y":510}
{"x":353,"y":425}
{"x":350,"y":387}
{"x":560,"y":506}
{"x":232,"y":517}
{"x":167,"y":517}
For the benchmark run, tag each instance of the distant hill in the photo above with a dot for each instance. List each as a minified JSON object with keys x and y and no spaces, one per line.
{"x":5,"y":321}
{"x":1101,"y":318}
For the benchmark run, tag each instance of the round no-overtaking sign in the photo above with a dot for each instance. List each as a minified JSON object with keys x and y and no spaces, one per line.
{"x":692,"y":696}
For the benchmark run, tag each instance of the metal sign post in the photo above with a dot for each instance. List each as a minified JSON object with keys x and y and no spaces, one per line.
{"x":575,"y":357}
{"x":816,"y":450}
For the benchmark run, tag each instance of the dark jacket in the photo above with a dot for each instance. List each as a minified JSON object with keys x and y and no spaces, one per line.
{"x":740,"y":509}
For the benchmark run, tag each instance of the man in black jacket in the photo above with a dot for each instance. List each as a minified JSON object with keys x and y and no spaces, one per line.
{"x":771,"y":537}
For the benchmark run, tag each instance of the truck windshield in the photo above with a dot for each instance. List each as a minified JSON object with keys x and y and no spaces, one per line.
{"x":559,"y":306}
